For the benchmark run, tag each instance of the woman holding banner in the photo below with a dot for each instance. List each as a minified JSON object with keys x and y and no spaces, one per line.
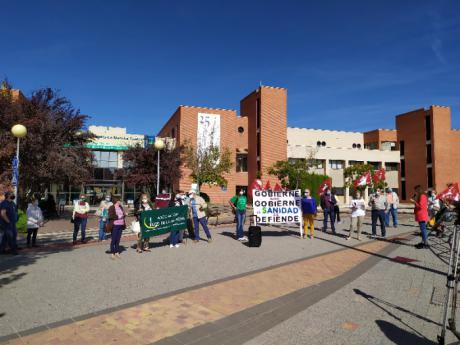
{"x":144,"y":205}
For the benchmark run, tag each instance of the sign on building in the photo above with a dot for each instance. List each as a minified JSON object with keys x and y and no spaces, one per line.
{"x":208,"y":133}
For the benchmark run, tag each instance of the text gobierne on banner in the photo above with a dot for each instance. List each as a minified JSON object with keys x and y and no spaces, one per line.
{"x":272,"y":207}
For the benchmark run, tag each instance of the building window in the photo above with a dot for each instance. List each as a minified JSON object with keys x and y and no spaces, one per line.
{"x":389,"y":146}
{"x":403,"y":168}
{"x":391,"y":166}
{"x":403,"y":190}
{"x":371,"y":146}
{"x":401,"y":147}
{"x":318,"y":143}
{"x":338,"y":191}
{"x":323,"y":143}
{"x":354,"y":146}
{"x":241,"y":162}
{"x":355,"y":163}
{"x":319,"y":164}
{"x":336,"y":165}
{"x":427,"y":127}
{"x":173,"y":132}
{"x":105,"y":159}
{"x":375,"y":165}
{"x":429,"y":172}
{"x":358,"y":146}
{"x":258,"y":119}
{"x":429,"y":159}
{"x":240,"y":129}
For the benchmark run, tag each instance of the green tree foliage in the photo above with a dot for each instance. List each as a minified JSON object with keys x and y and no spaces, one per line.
{"x":208,"y":166}
{"x":295,"y":175}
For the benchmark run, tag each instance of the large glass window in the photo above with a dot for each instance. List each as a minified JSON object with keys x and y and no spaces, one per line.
{"x":105,"y":159}
{"x":241,"y":162}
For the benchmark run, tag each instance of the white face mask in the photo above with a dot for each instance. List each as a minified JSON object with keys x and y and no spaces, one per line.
{"x":107,"y":199}
{"x":145,"y":201}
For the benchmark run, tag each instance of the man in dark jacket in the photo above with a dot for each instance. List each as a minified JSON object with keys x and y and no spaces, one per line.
{"x":328,"y":202}
{"x":8,"y":219}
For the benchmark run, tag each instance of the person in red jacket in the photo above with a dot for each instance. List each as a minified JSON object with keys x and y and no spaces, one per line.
{"x":420,"y":201}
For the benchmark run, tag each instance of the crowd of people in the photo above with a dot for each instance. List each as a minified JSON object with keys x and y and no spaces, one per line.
{"x":111,"y":216}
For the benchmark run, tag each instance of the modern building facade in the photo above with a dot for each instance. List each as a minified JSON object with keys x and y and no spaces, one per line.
{"x":429,"y":149}
{"x":256,"y":137}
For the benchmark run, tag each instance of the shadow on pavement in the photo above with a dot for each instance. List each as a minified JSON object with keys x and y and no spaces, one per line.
{"x":400,"y":336}
{"x":411,"y":264}
{"x":9,"y":264}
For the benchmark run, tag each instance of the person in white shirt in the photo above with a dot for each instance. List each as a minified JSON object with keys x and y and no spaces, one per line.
{"x":393,"y":203}
{"x":358,"y":211}
{"x":34,"y":221}
{"x":80,"y":218}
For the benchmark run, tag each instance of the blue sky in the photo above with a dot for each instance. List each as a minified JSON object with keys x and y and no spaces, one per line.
{"x":348,"y":65}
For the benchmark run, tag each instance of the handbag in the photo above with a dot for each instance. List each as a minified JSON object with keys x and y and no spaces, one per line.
{"x":108,"y":227}
{"x":136,"y":227}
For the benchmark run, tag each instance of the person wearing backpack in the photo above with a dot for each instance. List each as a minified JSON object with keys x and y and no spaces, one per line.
{"x":239,"y":204}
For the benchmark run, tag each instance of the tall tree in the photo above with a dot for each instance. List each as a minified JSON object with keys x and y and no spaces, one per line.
{"x":53,"y":150}
{"x":208,"y":165}
{"x":141,"y":167}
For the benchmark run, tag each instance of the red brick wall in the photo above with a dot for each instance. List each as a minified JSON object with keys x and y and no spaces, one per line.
{"x":411,"y":129}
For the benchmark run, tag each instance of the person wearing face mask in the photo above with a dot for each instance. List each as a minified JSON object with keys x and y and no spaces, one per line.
{"x":117,"y":224}
{"x":239,"y":205}
{"x":80,"y":218}
{"x":308,"y":205}
{"x":358,"y":211}
{"x":34,"y":221}
{"x":378,"y":203}
{"x":8,"y":219}
{"x":420,"y":201}
{"x":197,"y":210}
{"x":328,"y":203}
{"x":102,"y":213}
{"x":143,"y":205}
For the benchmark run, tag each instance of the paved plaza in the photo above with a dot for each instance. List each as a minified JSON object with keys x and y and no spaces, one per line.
{"x":288,"y":291}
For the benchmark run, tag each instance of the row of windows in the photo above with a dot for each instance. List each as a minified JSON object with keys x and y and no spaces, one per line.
{"x":105,"y":159}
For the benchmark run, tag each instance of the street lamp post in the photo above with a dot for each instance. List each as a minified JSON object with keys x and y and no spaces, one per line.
{"x":19,"y":131}
{"x":159,"y":145}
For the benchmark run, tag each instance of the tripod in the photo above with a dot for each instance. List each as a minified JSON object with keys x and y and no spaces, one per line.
{"x":448,"y":321}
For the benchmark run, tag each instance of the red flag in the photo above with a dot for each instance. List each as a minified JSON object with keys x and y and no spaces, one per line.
{"x":267,"y":186}
{"x":363,"y":180}
{"x":326,"y":184}
{"x":379,"y":175}
{"x":256,"y":185}
{"x":277,"y":188}
{"x":451,"y":193}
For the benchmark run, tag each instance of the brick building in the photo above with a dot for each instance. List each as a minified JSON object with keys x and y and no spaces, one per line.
{"x":256,"y":137}
{"x":429,"y":149}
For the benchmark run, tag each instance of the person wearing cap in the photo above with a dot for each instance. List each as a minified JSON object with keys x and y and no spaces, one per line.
{"x":8,"y":219}
{"x":393,"y":203}
{"x":80,"y":218}
{"x":103,"y":214}
{"x":197,"y":211}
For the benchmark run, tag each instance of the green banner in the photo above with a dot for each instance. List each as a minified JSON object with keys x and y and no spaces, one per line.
{"x":164,"y":220}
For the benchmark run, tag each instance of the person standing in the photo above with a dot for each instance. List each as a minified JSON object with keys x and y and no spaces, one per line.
{"x":175,"y":201}
{"x":162,"y":200}
{"x":143,"y":205}
{"x":197,"y":209}
{"x":434,"y":204}
{"x":308,"y":214}
{"x":358,"y":211}
{"x":238,"y":204}
{"x":420,"y":201}
{"x":117,"y":224}
{"x":2,"y":230}
{"x":393,"y":203}
{"x":80,"y":218}
{"x":8,"y":219}
{"x":328,"y":202}
{"x":378,"y":204}
{"x":103,"y":214}
{"x":34,"y":221}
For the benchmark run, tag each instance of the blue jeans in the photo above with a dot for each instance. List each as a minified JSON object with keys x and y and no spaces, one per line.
{"x":240,"y":218}
{"x":394,"y":216}
{"x":423,"y":231}
{"x":174,"y":237}
{"x":77,"y":223}
{"x":380,"y":215}
{"x":102,"y":229}
{"x":116,"y":237}
{"x":9,"y":237}
{"x":329,"y":213}
{"x":204,"y":224}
